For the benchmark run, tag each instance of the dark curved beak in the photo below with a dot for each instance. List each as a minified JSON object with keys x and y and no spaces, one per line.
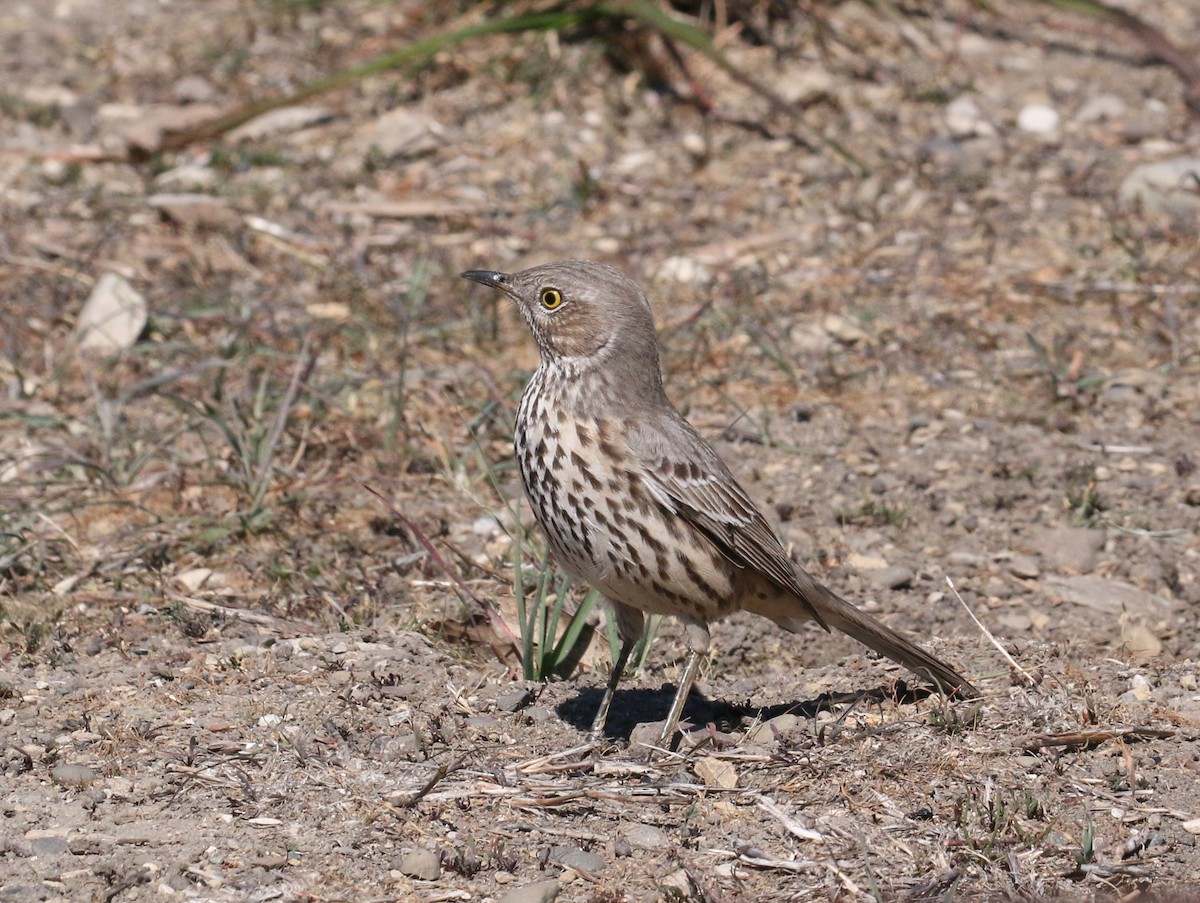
{"x":490,"y":278}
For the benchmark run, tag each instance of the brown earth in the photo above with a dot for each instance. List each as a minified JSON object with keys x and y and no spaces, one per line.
{"x":932,"y":343}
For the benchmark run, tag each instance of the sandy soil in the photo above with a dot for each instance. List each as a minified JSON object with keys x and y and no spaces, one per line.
{"x":933,"y":344}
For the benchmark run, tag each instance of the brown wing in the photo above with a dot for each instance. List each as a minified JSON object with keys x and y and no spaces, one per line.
{"x":687,"y":476}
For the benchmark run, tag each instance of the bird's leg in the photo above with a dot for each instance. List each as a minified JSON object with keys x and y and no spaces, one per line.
{"x":630,"y":624}
{"x":681,"y":695}
{"x":618,"y":669}
{"x":696,"y":638}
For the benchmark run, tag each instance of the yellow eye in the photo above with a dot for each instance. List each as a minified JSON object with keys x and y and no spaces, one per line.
{"x":551,"y":298}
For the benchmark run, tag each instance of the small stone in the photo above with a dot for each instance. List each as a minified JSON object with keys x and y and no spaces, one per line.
{"x":188,"y":177}
{"x":329,"y":310}
{"x":485,"y":526}
{"x":895,"y":576}
{"x":142,"y":128}
{"x":423,"y":865}
{"x":768,"y":731}
{"x":195,"y":210}
{"x":482,"y":723}
{"x":846,"y":330}
{"x":646,"y":837}
{"x":193,"y":579}
{"x":1140,"y":640}
{"x":1165,"y":187}
{"x":49,"y":846}
{"x":1192,"y":496}
{"x":1015,"y":622}
{"x":513,"y":700}
{"x":644,"y":737}
{"x":866,"y":562}
{"x":678,"y":884}
{"x":1139,"y":690}
{"x":716,"y":773}
{"x":398,"y":134}
{"x":964,"y":120}
{"x":578,"y":859}
{"x":542,"y":892}
{"x":194,"y":89}
{"x":1024,"y":566}
{"x":1103,"y":106}
{"x":1109,"y":596}
{"x":1070,"y":548}
{"x":695,"y":145}
{"x":49,"y":96}
{"x":285,"y":119}
{"x":75,"y":776}
{"x":1038,"y":119}
{"x":1192,"y":826}
{"x":113,"y":316}
{"x":683,"y":270}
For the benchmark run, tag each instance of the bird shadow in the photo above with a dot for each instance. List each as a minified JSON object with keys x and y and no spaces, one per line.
{"x":635,"y":706}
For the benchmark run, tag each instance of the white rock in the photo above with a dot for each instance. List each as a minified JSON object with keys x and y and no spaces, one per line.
{"x":861,"y":562}
{"x":716,"y":773}
{"x":846,"y":330}
{"x":695,"y":145}
{"x":194,"y":89}
{"x":1166,"y":187}
{"x":50,"y":96}
{"x":285,"y":119}
{"x":964,"y":120}
{"x":113,"y":316}
{"x":202,"y":210}
{"x":634,"y":161}
{"x":193,"y":579}
{"x":188,"y":177}
{"x":1108,"y":596}
{"x":1103,"y":106}
{"x":1038,"y":119}
{"x":682,"y":269}
{"x":486,"y":525}
{"x":807,"y":86}
{"x":398,"y":133}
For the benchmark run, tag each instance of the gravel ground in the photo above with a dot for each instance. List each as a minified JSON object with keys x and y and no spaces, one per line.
{"x":938,"y":324}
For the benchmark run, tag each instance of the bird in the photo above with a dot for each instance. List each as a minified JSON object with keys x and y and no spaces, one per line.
{"x":635,"y":503}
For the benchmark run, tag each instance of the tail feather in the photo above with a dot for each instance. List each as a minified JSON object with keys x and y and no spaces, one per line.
{"x":839,"y":614}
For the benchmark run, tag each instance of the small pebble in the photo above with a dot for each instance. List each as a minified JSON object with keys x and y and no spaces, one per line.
{"x":542,"y":892}
{"x":895,"y":576}
{"x":646,"y":837}
{"x":513,"y":700}
{"x":1024,"y":566}
{"x":72,"y":775}
{"x":580,"y":860}
{"x":1038,"y":119}
{"x":423,"y":865}
{"x":46,"y":847}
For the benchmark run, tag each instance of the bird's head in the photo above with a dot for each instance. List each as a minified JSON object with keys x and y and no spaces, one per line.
{"x":582,"y":314}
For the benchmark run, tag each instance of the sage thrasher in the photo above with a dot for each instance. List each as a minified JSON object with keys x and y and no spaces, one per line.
{"x":634,"y":502}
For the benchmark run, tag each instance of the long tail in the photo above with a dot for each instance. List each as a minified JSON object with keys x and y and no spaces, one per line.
{"x":839,"y":614}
